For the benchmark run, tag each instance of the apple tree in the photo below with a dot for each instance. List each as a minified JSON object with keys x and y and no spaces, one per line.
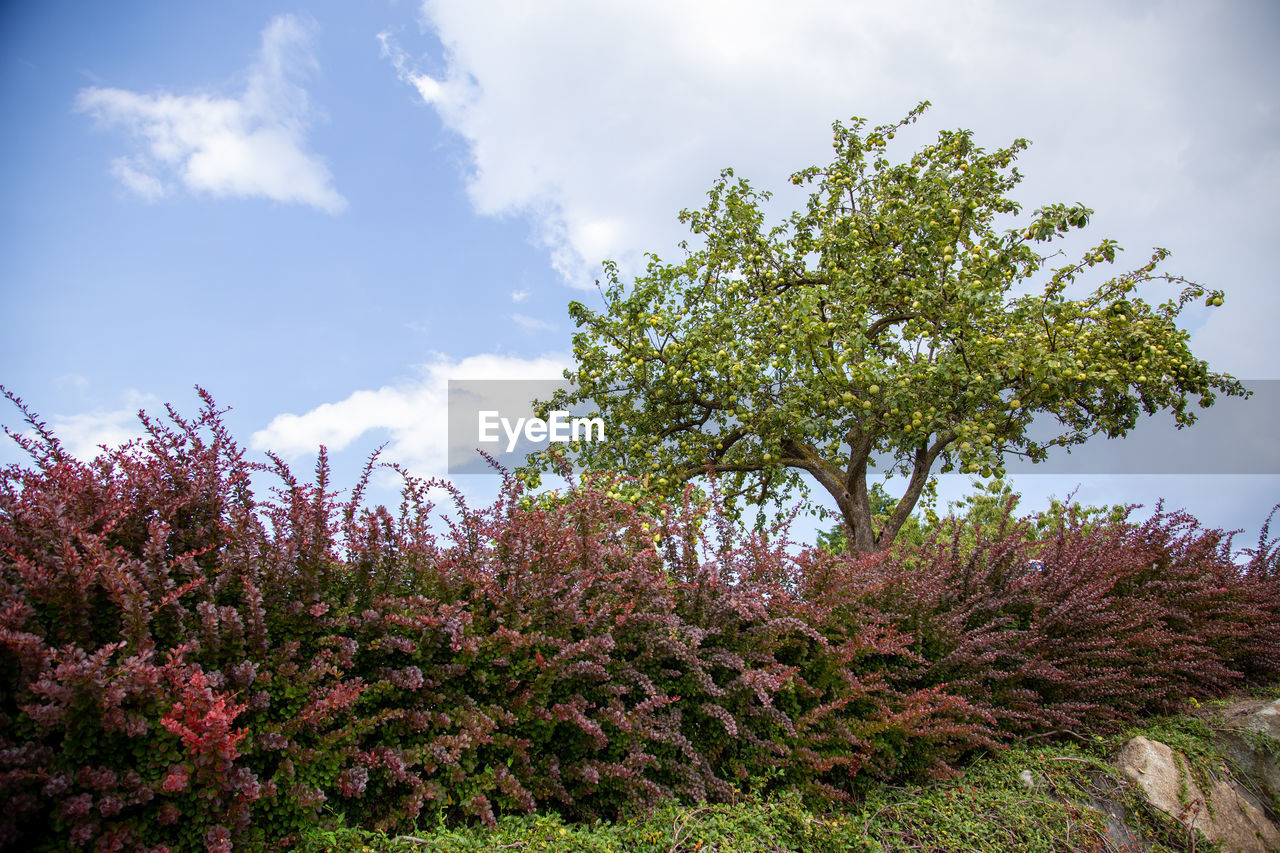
{"x":906,"y":319}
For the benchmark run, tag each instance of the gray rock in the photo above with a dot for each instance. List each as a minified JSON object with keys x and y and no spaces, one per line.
{"x":1250,"y":737}
{"x":1222,"y":815}
{"x":1118,"y":823}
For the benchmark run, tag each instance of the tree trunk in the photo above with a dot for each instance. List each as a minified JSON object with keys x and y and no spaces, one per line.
{"x":853,"y":498}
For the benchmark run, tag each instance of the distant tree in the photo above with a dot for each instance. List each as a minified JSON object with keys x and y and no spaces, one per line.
{"x":986,"y":513}
{"x":894,"y":319}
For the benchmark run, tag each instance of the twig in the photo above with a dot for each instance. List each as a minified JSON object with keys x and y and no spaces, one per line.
{"x":1057,"y":732}
{"x":890,"y":806}
{"x":675,"y":844}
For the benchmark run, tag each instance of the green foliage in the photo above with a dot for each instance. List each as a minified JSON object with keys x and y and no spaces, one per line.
{"x":988,"y":808}
{"x":984,"y":514}
{"x":906,"y":317}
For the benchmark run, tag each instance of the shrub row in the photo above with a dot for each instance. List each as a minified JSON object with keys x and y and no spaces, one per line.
{"x":186,"y":666}
{"x":1068,"y":624}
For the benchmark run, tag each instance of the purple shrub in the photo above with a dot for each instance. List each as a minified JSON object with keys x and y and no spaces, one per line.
{"x":1086,"y":627}
{"x":187,"y":667}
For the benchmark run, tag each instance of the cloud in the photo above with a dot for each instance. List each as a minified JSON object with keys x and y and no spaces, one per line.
{"x":248,"y":146}
{"x":600,"y":121}
{"x":519,"y":295}
{"x":137,"y":180}
{"x":413,"y":413}
{"x":83,"y":435}
{"x":533,"y":324}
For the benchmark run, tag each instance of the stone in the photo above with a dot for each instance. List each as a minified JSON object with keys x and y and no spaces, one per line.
{"x":1249,"y":734}
{"x":1238,"y":824}
{"x":1163,"y":777}
{"x":1117,"y":821}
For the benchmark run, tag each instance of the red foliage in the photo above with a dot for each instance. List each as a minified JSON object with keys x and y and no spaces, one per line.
{"x":185,"y":666}
{"x":202,"y":719}
{"x":1086,"y":628}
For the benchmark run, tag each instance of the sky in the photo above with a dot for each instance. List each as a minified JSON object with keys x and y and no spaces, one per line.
{"x":322,"y":212}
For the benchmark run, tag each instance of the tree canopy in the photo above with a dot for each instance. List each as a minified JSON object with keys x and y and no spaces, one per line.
{"x":906,"y":320}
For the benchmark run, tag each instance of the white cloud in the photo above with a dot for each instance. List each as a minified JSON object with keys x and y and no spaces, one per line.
{"x":136,"y":180}
{"x":83,"y":435}
{"x":532,"y":324}
{"x":72,"y":381}
{"x":599,"y":121}
{"x":519,"y":295}
{"x":252,"y":145}
{"x":413,"y":413}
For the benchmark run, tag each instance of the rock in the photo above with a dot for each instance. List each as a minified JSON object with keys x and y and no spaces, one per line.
{"x":1118,"y":822}
{"x":1238,"y":824}
{"x":1162,"y":778}
{"x":1223,"y":815}
{"x":1250,"y":736}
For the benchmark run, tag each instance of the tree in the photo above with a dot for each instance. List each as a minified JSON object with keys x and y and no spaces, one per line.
{"x":902,"y":318}
{"x":986,"y":513}
{"x":912,"y":533}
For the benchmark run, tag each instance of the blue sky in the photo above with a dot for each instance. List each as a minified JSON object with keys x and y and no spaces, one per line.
{"x":321,"y":212}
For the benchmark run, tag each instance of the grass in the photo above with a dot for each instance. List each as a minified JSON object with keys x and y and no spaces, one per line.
{"x":987,"y":809}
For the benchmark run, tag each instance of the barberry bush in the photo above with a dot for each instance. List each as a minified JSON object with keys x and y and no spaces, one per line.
{"x":186,"y":664}
{"x":1082,"y":620}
